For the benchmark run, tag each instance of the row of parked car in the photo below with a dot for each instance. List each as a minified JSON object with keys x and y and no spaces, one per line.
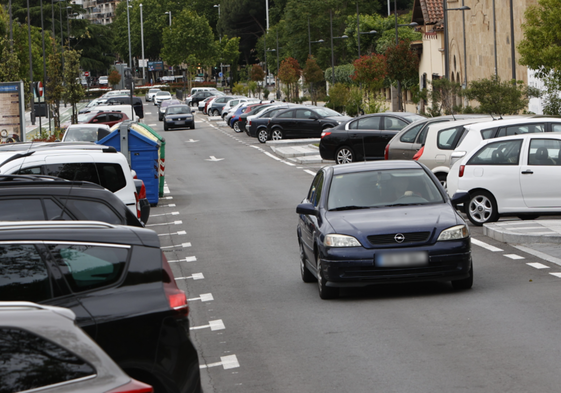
{"x":73,"y":240}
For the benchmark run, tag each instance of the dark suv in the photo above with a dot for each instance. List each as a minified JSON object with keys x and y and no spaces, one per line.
{"x":119,"y":285}
{"x":36,"y":197}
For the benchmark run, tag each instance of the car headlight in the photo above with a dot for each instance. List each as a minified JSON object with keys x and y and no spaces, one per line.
{"x":454,"y":233}
{"x":334,"y":240}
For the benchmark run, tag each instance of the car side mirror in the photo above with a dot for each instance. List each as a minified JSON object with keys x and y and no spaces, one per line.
{"x":459,"y":197}
{"x":307,"y":209}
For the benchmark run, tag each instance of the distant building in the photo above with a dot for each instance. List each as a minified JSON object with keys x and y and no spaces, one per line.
{"x":100,"y":12}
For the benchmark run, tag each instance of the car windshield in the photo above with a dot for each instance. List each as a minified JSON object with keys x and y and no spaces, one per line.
{"x":178,"y":110}
{"x":382,"y":188}
{"x":153,"y":90}
{"x":163,"y":94}
{"x":85,"y":117}
{"x":326,"y":112}
{"x":168,"y":103}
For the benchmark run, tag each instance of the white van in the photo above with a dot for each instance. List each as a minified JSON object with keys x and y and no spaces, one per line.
{"x":98,"y":164}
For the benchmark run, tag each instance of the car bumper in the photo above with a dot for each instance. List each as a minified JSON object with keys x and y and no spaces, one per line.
{"x":447,"y":261}
{"x":179,"y":123}
{"x":144,"y":210}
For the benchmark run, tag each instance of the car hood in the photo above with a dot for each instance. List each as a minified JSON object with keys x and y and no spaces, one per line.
{"x":399,"y":219}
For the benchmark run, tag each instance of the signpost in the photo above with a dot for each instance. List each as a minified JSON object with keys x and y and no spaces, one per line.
{"x":12,"y":118}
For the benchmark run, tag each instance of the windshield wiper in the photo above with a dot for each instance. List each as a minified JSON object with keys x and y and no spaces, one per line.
{"x":405,"y":204}
{"x":349,"y":208}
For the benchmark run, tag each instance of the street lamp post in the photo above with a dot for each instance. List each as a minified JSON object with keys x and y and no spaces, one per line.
{"x":129,"y":35}
{"x":412,"y":24}
{"x":142,"y":44}
{"x":446,"y":46}
{"x":332,"y":52}
{"x":30,"y":67}
{"x":220,"y":40}
{"x":168,"y":13}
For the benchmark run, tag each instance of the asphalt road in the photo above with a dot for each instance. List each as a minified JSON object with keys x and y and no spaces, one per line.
{"x":229,"y":221}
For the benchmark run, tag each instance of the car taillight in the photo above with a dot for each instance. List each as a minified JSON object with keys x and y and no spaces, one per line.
{"x":249,"y":123}
{"x":142,"y":194}
{"x":137,"y":200}
{"x":386,"y":151}
{"x":176,"y":297}
{"x":462,"y":168}
{"x":419,"y":153}
{"x":133,"y":386}
{"x":325,"y":133}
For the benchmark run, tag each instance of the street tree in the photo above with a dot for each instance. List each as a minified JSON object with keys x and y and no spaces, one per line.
{"x":10,"y":62}
{"x":403,"y":63}
{"x":229,"y":49}
{"x":441,"y":96}
{"x":289,"y":74}
{"x":114,"y":78}
{"x":189,"y":41}
{"x":257,"y":74}
{"x":343,"y":74}
{"x":370,"y":71}
{"x":313,"y":75}
{"x":498,"y":97}
{"x":73,"y":90}
{"x":54,"y":82}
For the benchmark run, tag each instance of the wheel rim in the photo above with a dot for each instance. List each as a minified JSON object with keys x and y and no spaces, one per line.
{"x":277,"y":135}
{"x":236,"y":127}
{"x":480,"y":208}
{"x":302,"y":259}
{"x":344,"y":156}
{"x":262,"y":136}
{"x":320,"y":277}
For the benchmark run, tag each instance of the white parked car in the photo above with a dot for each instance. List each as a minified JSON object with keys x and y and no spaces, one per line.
{"x":517,"y":126}
{"x":151,"y":93}
{"x":161,"y":96}
{"x":515,"y":175}
{"x":103,"y":80}
{"x":85,"y":132}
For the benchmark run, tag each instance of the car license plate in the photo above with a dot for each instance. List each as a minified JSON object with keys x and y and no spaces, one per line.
{"x":402,"y":259}
{"x":178,"y":123}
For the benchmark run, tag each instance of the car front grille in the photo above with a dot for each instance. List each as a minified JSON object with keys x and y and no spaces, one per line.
{"x":408,"y":238}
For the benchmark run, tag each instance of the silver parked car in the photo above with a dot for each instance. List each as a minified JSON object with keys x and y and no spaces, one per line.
{"x":42,"y":349}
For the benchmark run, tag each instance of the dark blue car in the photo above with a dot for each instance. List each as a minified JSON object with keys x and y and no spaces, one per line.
{"x":381,"y":222}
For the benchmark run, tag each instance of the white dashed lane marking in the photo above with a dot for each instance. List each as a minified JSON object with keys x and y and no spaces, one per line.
{"x":485,"y":245}
{"x":188,"y":259}
{"x":558,"y":275}
{"x":195,"y":276}
{"x":227,"y":362}
{"x":514,"y":256}
{"x":179,"y":222}
{"x":204,"y":297}
{"x":538,"y":265}
{"x":182,"y":245}
{"x":213,"y":325}
{"x":180,"y":233}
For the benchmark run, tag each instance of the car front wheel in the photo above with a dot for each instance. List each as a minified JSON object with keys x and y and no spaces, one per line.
{"x":236,"y":126}
{"x":344,"y":155}
{"x":325,"y":292}
{"x":482,"y":208}
{"x":263,"y":136}
{"x":277,"y":134}
{"x":307,"y":276}
{"x":166,"y":127}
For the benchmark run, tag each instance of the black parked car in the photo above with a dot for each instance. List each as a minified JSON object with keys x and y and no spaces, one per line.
{"x":242,"y":122}
{"x":257,"y":127}
{"x":39,"y":197}
{"x":217,"y":105}
{"x":378,"y":223}
{"x":364,"y":138}
{"x":119,"y":285}
{"x":306,"y":122}
{"x":200,"y":96}
{"x":178,"y":116}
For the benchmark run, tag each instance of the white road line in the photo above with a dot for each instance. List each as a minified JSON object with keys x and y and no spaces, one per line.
{"x":213,"y":325}
{"x":273,"y":156}
{"x":289,"y":163}
{"x":485,"y":245}
{"x":166,"y":190}
{"x":195,"y":276}
{"x":188,"y":259}
{"x":228,"y":362}
{"x":166,"y":197}
{"x":539,"y":254}
{"x":152,"y":125}
{"x":204,"y":297}
{"x":179,"y":222}
{"x":170,"y":205}
{"x":164,"y":214}
{"x":180,"y":233}
{"x":558,"y":275}
{"x":513,"y":256}
{"x":538,"y":265}
{"x":310,"y":172}
{"x":178,"y":245}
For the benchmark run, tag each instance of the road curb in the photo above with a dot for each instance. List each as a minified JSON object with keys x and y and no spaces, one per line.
{"x":518,"y":232}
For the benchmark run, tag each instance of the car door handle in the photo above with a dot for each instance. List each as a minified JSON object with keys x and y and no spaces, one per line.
{"x":527,"y":172}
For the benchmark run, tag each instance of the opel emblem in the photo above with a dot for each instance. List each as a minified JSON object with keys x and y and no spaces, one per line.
{"x":399,"y":238}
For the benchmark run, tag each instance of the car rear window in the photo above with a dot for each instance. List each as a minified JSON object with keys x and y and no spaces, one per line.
{"x":90,"y":266}
{"x":92,"y":210}
{"x":498,"y":153}
{"x":23,"y":274}
{"x":448,"y":139}
{"x":21,"y":209}
{"x":108,"y":175}
{"x":32,"y":362}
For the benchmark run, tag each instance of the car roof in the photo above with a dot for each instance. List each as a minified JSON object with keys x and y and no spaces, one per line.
{"x":449,"y":124}
{"x":374,"y":165}
{"x":518,"y":120}
{"x":87,"y":125}
{"x":531,"y":135}
{"x":80,"y":231}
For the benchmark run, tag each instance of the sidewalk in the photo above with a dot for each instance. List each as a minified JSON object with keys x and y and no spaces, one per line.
{"x":32,"y":130}
{"x":304,"y":151}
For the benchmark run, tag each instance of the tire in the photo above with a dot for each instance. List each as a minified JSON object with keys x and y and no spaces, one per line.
{"x":344,"y":155}
{"x":464,"y":284}
{"x":528,"y":216}
{"x":262,"y":135}
{"x":166,"y":127}
{"x":215,"y":112}
{"x":236,"y":126}
{"x":325,"y":292}
{"x":160,"y":118}
{"x":442,"y":179}
{"x":193,"y":125}
{"x":482,"y":208}
{"x":277,"y":134}
{"x":307,"y":276}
